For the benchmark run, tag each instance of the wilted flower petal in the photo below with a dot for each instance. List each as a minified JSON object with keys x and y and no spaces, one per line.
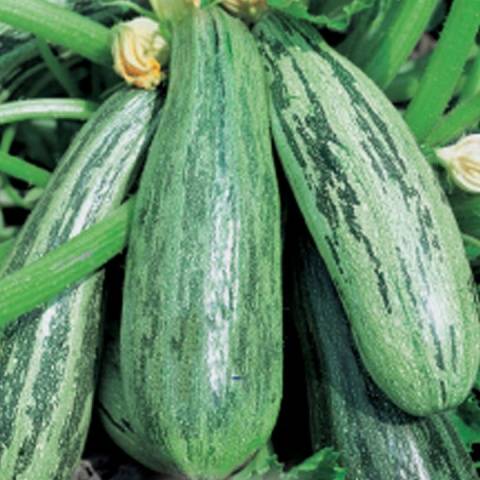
{"x":139,"y":51}
{"x":462,"y":161}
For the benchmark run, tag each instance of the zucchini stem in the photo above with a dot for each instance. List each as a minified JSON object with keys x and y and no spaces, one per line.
{"x":8,"y":137}
{"x":5,"y":249}
{"x":60,"y":26}
{"x":472,"y":85}
{"x":445,"y":67}
{"x":22,"y":170}
{"x":403,"y":27}
{"x":59,"y":108}
{"x":452,"y":125}
{"x":45,"y":278}
{"x":368,"y":29}
{"x":5,"y":185}
{"x":58,"y":70}
{"x":405,"y":85}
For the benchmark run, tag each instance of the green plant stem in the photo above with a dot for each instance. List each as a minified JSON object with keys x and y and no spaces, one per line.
{"x":63,"y":267}
{"x":16,"y":200}
{"x":58,"y":70}
{"x":367,"y":31}
{"x":451,"y":126}
{"x":130,"y":5}
{"x":8,"y":137}
{"x":60,"y":108}
{"x":403,"y":27}
{"x":60,"y":26}
{"x":5,"y":249}
{"x":18,"y":168}
{"x":472,"y":85}
{"x":445,"y":67}
{"x":5,"y":144}
{"x":405,"y":85}
{"x":45,"y":79}
{"x":7,"y":91}
{"x":403,"y":88}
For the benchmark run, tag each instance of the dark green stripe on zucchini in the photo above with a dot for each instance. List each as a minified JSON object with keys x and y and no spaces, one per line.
{"x":347,"y":410}
{"x":378,"y":217}
{"x":201,"y":335}
{"x":48,"y":357}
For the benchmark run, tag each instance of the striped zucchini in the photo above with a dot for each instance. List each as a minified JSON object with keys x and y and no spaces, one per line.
{"x":201,"y":335}
{"x":378,"y":218}
{"x":347,"y":410}
{"x":111,"y":404}
{"x":48,"y":357}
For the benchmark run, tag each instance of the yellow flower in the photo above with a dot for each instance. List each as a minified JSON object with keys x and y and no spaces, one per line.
{"x":462,"y":162}
{"x":139,"y":51}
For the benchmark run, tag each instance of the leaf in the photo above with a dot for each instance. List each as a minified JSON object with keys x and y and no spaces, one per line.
{"x":333,"y":15}
{"x":321,"y":466}
{"x":472,"y":247}
{"x":264,"y":463}
{"x":466,"y":419}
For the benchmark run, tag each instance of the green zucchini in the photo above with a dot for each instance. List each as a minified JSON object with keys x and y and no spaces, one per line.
{"x":378,"y":217}
{"x":111,"y":405}
{"x":376,"y":439}
{"x":201,"y":334}
{"x":48,"y":357}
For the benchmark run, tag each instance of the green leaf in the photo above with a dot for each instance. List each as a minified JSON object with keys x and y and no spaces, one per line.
{"x":472,"y":247}
{"x":264,"y":463}
{"x":466,"y":419}
{"x":335,"y":15}
{"x":323,"y":465}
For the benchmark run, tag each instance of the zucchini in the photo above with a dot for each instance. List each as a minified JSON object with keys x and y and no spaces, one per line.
{"x":376,"y":439}
{"x":378,"y":217}
{"x":48,"y":357}
{"x":111,"y":405}
{"x":201,"y":334}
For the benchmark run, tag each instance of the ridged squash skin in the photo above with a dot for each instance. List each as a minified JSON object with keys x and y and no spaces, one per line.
{"x":376,"y":439}
{"x":48,"y":357}
{"x":378,"y":218}
{"x":201,"y":334}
